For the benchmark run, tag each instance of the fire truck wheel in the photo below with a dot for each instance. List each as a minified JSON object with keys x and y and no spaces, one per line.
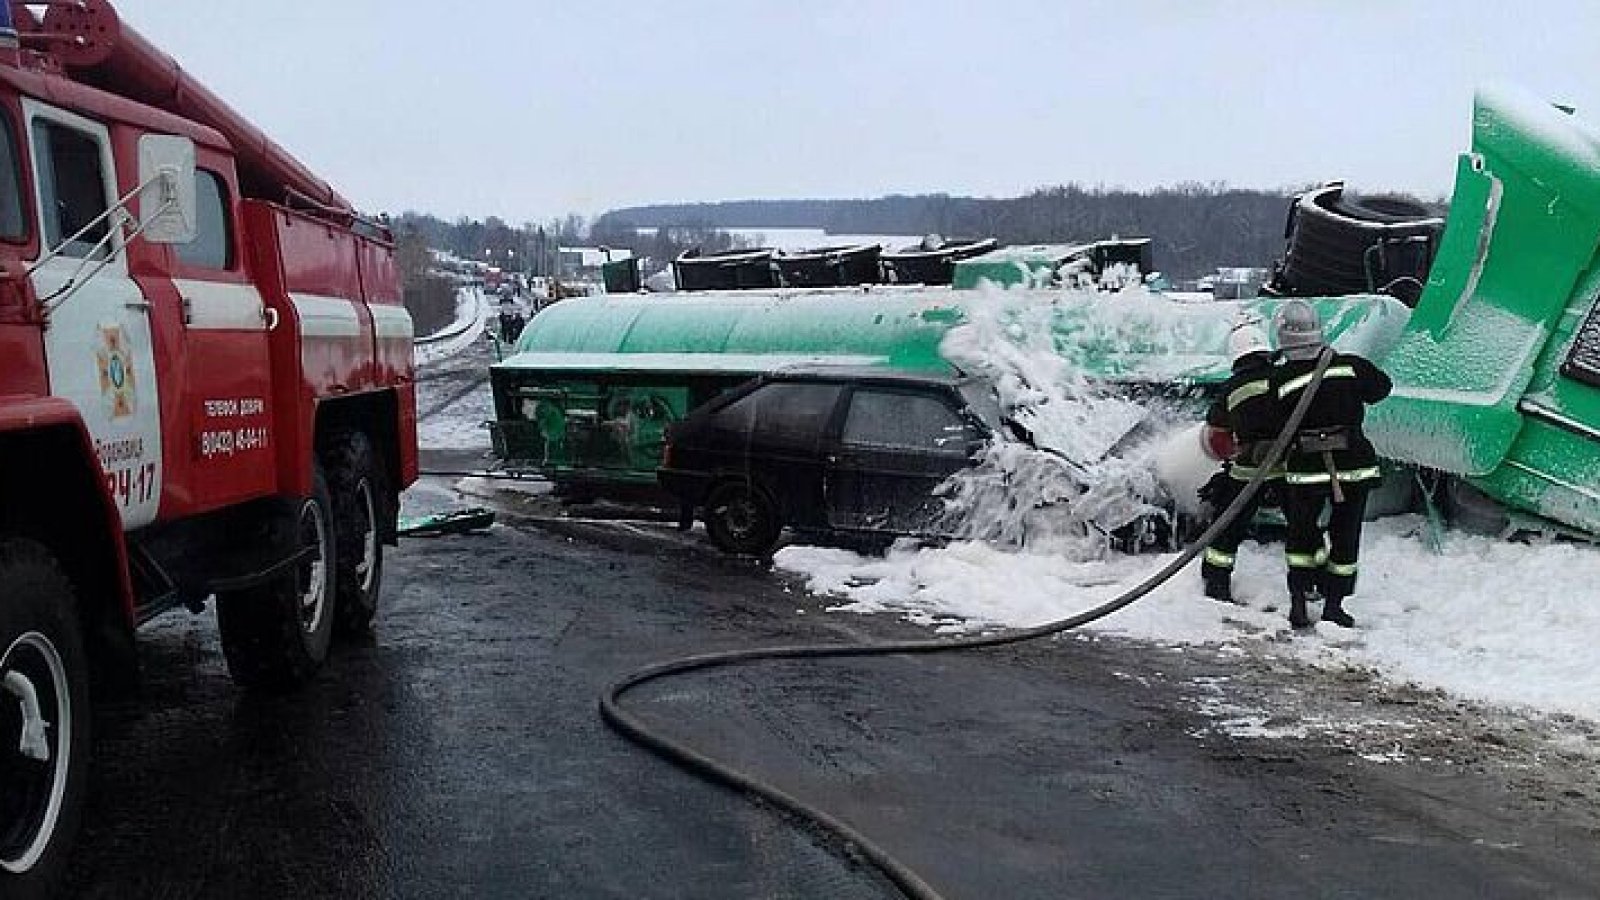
{"x":44,"y":720}
{"x":742,"y":518}
{"x":275,"y":635}
{"x":359,"y":490}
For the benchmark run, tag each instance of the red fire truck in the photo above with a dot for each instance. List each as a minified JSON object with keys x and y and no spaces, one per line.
{"x":205,"y":392}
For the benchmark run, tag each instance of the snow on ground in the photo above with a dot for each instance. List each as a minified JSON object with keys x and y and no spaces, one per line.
{"x":452,"y":414}
{"x":453,"y":396}
{"x":1503,"y":623}
{"x":472,"y":312}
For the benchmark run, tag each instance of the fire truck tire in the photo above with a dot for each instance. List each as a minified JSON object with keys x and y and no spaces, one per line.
{"x":276,"y":635}
{"x":44,"y":720}
{"x":742,"y":518}
{"x":356,"y":481}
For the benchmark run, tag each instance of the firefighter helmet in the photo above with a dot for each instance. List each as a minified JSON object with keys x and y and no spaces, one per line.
{"x":1298,"y":330}
{"x":1246,"y":338}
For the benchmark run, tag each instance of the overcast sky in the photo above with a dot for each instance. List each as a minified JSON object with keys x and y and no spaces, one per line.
{"x":529,"y":110}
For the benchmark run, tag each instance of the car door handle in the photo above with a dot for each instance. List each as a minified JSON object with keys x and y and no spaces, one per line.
{"x":138,"y":304}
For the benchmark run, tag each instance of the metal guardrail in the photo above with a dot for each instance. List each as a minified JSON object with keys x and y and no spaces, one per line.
{"x":444,"y":344}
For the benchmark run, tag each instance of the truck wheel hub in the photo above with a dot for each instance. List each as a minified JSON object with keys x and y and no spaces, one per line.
{"x":367,"y":568}
{"x":740,"y":517}
{"x":35,"y":748}
{"x":312,"y":577}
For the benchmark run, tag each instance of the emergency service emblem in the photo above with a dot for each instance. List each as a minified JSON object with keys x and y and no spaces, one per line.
{"x":117,"y":387}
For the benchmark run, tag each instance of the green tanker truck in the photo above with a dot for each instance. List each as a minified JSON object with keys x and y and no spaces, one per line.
{"x":1497,"y":365}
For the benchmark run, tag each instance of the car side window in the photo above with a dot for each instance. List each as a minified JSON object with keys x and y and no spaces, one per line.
{"x":783,"y":412}
{"x":904,"y":421}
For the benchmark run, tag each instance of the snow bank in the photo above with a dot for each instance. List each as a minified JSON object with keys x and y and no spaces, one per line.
{"x":1503,"y":623}
{"x":1507,"y":624}
{"x":472,"y":316}
{"x":460,"y":426}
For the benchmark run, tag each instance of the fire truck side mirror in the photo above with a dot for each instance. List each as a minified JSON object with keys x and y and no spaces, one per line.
{"x":167,"y":206}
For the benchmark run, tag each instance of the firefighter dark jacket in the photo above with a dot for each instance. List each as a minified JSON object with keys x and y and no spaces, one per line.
{"x":1334,"y":420}
{"x":1247,"y":406}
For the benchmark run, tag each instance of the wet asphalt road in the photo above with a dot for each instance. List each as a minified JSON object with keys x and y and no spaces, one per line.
{"x":458,"y":754}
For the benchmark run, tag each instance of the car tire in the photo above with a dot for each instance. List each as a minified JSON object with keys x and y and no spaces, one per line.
{"x":275,"y":635}
{"x":742,"y":518}
{"x":359,"y":493}
{"x":43,"y":676}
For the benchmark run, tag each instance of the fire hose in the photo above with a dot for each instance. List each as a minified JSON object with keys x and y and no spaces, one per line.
{"x":902,"y":876}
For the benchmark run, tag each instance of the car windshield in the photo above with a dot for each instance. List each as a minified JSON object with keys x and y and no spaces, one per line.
{"x":981,"y":399}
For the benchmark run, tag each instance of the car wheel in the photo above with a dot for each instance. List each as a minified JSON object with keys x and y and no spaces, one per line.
{"x":276,"y":635}
{"x":44,"y":720}
{"x":742,"y":518}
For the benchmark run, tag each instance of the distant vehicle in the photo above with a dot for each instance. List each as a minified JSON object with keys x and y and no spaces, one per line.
{"x":829,"y":450}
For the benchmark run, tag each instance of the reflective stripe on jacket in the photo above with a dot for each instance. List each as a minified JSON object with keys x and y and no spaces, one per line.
{"x":1348,"y":386}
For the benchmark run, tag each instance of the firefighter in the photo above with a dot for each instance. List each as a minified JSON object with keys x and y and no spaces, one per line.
{"x":1330,"y":461}
{"x":1247,"y":408}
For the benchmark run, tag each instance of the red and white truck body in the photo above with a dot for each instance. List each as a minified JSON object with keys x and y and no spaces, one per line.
{"x":206,"y":391}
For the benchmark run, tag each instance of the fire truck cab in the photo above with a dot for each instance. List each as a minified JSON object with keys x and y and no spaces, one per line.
{"x":205,"y":393}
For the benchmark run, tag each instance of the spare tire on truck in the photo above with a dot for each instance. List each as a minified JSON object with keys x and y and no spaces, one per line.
{"x":1339,"y":244}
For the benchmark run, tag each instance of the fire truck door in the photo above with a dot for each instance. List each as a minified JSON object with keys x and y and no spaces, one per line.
{"x":98,"y":343}
{"x":227,"y":370}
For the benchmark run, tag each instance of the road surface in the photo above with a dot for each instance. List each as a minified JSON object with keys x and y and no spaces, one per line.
{"x":458,"y":753}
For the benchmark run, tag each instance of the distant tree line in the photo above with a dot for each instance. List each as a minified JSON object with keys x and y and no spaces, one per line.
{"x":532,"y":247}
{"x":428,"y":294}
{"x":1196,"y":227}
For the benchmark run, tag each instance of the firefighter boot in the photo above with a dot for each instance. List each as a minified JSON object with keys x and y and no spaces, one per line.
{"x":1298,"y":617}
{"x":1333,"y":611}
{"x":1218,"y":581}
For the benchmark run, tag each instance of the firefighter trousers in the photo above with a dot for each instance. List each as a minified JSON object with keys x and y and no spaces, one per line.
{"x":1221,"y":552}
{"x":1315,"y":561}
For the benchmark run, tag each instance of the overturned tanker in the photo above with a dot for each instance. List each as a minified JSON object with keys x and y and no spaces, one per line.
{"x":1497,"y":366}
{"x":586,"y":398}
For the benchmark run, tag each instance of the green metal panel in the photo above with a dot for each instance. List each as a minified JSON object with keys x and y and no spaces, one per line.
{"x":594,"y":429}
{"x":1523,"y":227}
{"x":1143,"y":337}
{"x":1157,"y":340}
{"x":901,"y":327}
{"x":1028,"y":266}
{"x":1551,"y":472}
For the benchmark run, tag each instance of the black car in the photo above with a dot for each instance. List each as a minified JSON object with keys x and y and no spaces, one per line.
{"x":828,"y":450}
